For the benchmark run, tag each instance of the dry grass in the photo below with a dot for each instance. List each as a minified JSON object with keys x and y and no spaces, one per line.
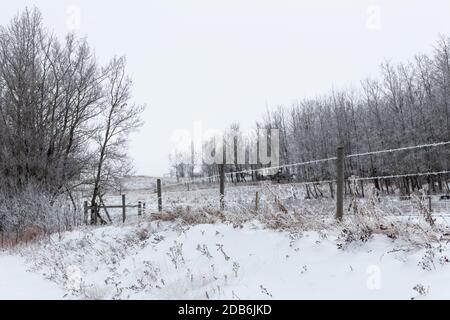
{"x":28,"y":235}
{"x":363,"y":220}
{"x":189,"y":217}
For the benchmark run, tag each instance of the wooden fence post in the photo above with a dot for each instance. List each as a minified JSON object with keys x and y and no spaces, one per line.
{"x":159,"y":193}
{"x":340,"y":183}
{"x":139,"y":208}
{"x":86,"y":213}
{"x":95,"y":213}
{"x":104,"y":208}
{"x":123,"y":209}
{"x":222,"y":186}
{"x":257,"y":201}
{"x":429,"y":194}
{"x":362,"y":188}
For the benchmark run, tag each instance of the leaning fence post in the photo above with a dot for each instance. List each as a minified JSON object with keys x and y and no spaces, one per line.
{"x":222,"y":186}
{"x":340,"y":183}
{"x":124,"y":216}
{"x":257,"y":201}
{"x":158,"y":190}
{"x":331,"y":190}
{"x":86,"y":214}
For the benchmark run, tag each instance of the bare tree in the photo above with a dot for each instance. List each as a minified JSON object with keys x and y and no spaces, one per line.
{"x":407,"y":105}
{"x":119,"y":117}
{"x":64,"y":120}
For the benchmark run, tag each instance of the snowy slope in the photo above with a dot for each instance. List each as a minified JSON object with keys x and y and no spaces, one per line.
{"x":156,"y":260}
{"x":17,"y":283}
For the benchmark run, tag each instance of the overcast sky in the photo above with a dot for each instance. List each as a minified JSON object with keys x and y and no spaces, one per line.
{"x":223,"y":61}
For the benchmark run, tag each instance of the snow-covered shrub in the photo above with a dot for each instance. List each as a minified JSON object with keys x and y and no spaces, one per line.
{"x":427,"y":261}
{"x":31,"y":214}
{"x":420,"y":201}
{"x":421,"y":290}
{"x":176,"y":254}
{"x":143,"y":234}
{"x":190,"y":217}
{"x":359,"y":234}
{"x":363,"y":219}
{"x":433,"y":256}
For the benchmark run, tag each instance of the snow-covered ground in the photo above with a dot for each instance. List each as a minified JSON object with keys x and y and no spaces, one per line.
{"x":172,"y":260}
{"x":16,"y":282}
{"x":291,"y":248}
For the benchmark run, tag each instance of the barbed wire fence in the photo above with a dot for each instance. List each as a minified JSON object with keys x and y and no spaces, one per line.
{"x":331,"y":194}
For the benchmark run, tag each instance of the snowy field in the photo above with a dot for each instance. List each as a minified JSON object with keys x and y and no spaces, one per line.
{"x":242,"y":198}
{"x":239,"y":254}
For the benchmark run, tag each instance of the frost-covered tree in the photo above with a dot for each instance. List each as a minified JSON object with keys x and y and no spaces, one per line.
{"x":64,"y":119}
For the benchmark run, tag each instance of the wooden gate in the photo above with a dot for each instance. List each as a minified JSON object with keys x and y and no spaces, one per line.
{"x":95,"y":210}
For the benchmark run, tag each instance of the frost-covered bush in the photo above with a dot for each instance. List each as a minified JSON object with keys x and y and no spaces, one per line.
{"x":31,"y":213}
{"x":363,"y":219}
{"x":189,"y":216}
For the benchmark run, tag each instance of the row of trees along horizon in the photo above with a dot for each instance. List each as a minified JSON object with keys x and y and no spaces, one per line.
{"x":407,"y":105}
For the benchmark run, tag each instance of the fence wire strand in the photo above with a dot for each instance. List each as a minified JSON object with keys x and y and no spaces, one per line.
{"x":421,"y":146}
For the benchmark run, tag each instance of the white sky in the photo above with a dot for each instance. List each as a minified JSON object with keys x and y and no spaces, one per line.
{"x":220,"y":62}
